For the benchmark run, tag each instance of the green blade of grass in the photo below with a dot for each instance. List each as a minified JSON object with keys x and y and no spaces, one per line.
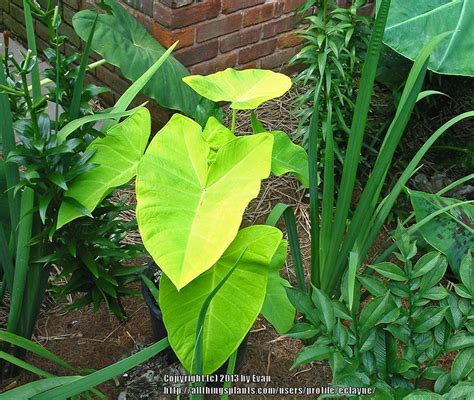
{"x":96,"y":378}
{"x":380,"y":217}
{"x":371,"y":192}
{"x":30,"y":35}
{"x":356,"y":137}
{"x":76,"y":124}
{"x":22,"y":259}
{"x":79,"y":83}
{"x":28,"y":391}
{"x":128,"y":96}
{"x":197,"y":356}
{"x":8,"y":143}
{"x":292,"y":230}
{"x":6,"y":260}
{"x":328,"y":194}
{"x":230,"y":371}
{"x":24,"y":365}
{"x":34,"y":348}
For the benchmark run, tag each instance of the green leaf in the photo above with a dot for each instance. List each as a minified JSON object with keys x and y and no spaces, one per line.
{"x":373,"y":285}
{"x":427,"y":320}
{"x":463,"y":390}
{"x":303,"y":304}
{"x":435,"y":293}
{"x":433,"y":372}
{"x":459,"y":341}
{"x":123,"y":42}
{"x":216,"y":135}
{"x":425,"y":264}
{"x":288,"y":157}
{"x":373,"y":311}
{"x":189,"y":212}
{"x":117,"y":156}
{"x":96,"y":378}
{"x":234,"y":308}
{"x":431,"y":279}
{"x":462,"y":365}
{"x":401,"y":366}
{"x":245,"y":90}
{"x":426,"y":20}
{"x":466,"y":272}
{"x":420,"y":394}
{"x":302,"y":330}
{"x":325,"y":308}
{"x":311,"y":353}
{"x":390,"y":270}
{"x":26,"y":392}
{"x":277,"y":308}
{"x":450,"y":232}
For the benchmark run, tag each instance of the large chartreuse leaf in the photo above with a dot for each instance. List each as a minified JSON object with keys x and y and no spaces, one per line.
{"x":288,"y":157}
{"x":426,"y":19}
{"x":234,"y":308}
{"x":123,"y":42}
{"x":117,"y":156}
{"x":188,"y":211}
{"x":277,"y":308}
{"x":451,"y":232}
{"x":245,"y":90}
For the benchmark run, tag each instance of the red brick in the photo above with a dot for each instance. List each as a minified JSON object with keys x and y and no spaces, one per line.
{"x":257,"y":51}
{"x":112,"y":80}
{"x":240,"y":39}
{"x":256,"y":15}
{"x":279,"y":8}
{"x":144,"y":6}
{"x":219,"y":27}
{"x":196,"y":54}
{"x":185,"y":16}
{"x":277,"y":59}
{"x":167,"y":37}
{"x":250,"y":65}
{"x":292,"y":5}
{"x":283,"y":24}
{"x":217,"y":64}
{"x":290,"y":39}
{"x":229,"y":6}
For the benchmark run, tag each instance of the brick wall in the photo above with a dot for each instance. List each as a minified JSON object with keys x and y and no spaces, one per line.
{"x":212,"y":34}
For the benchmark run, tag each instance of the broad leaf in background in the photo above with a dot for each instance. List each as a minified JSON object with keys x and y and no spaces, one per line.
{"x":245,"y":90}
{"x":216,"y":135}
{"x":234,"y":308}
{"x":451,"y":232}
{"x":189,"y":212}
{"x":117,"y":156}
{"x":288,"y":157}
{"x":123,"y":42}
{"x":277,"y":308}
{"x":425,"y":20}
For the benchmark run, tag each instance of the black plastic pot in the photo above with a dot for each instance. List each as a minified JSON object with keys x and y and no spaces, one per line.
{"x":159,"y":330}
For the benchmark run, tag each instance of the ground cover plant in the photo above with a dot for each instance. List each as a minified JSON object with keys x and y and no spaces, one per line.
{"x":387,"y":326}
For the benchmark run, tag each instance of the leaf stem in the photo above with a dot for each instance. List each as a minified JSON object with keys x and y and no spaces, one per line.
{"x":234,"y":121}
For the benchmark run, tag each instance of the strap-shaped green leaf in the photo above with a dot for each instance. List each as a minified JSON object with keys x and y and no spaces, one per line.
{"x":117,"y":156}
{"x":189,"y":212}
{"x":245,"y":90}
{"x":277,"y":308}
{"x":234,"y":308}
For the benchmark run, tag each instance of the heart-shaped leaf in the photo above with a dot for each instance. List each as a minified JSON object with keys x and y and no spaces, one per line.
{"x":277,"y":308}
{"x":288,"y":157}
{"x":123,"y":42}
{"x":426,"y":20}
{"x":117,"y":156}
{"x":234,"y":308}
{"x":245,"y":90}
{"x":189,"y":212}
{"x":450,"y":232}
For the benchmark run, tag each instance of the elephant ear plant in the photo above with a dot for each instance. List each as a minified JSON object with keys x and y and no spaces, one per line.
{"x":54,"y":169}
{"x":193,"y":186}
